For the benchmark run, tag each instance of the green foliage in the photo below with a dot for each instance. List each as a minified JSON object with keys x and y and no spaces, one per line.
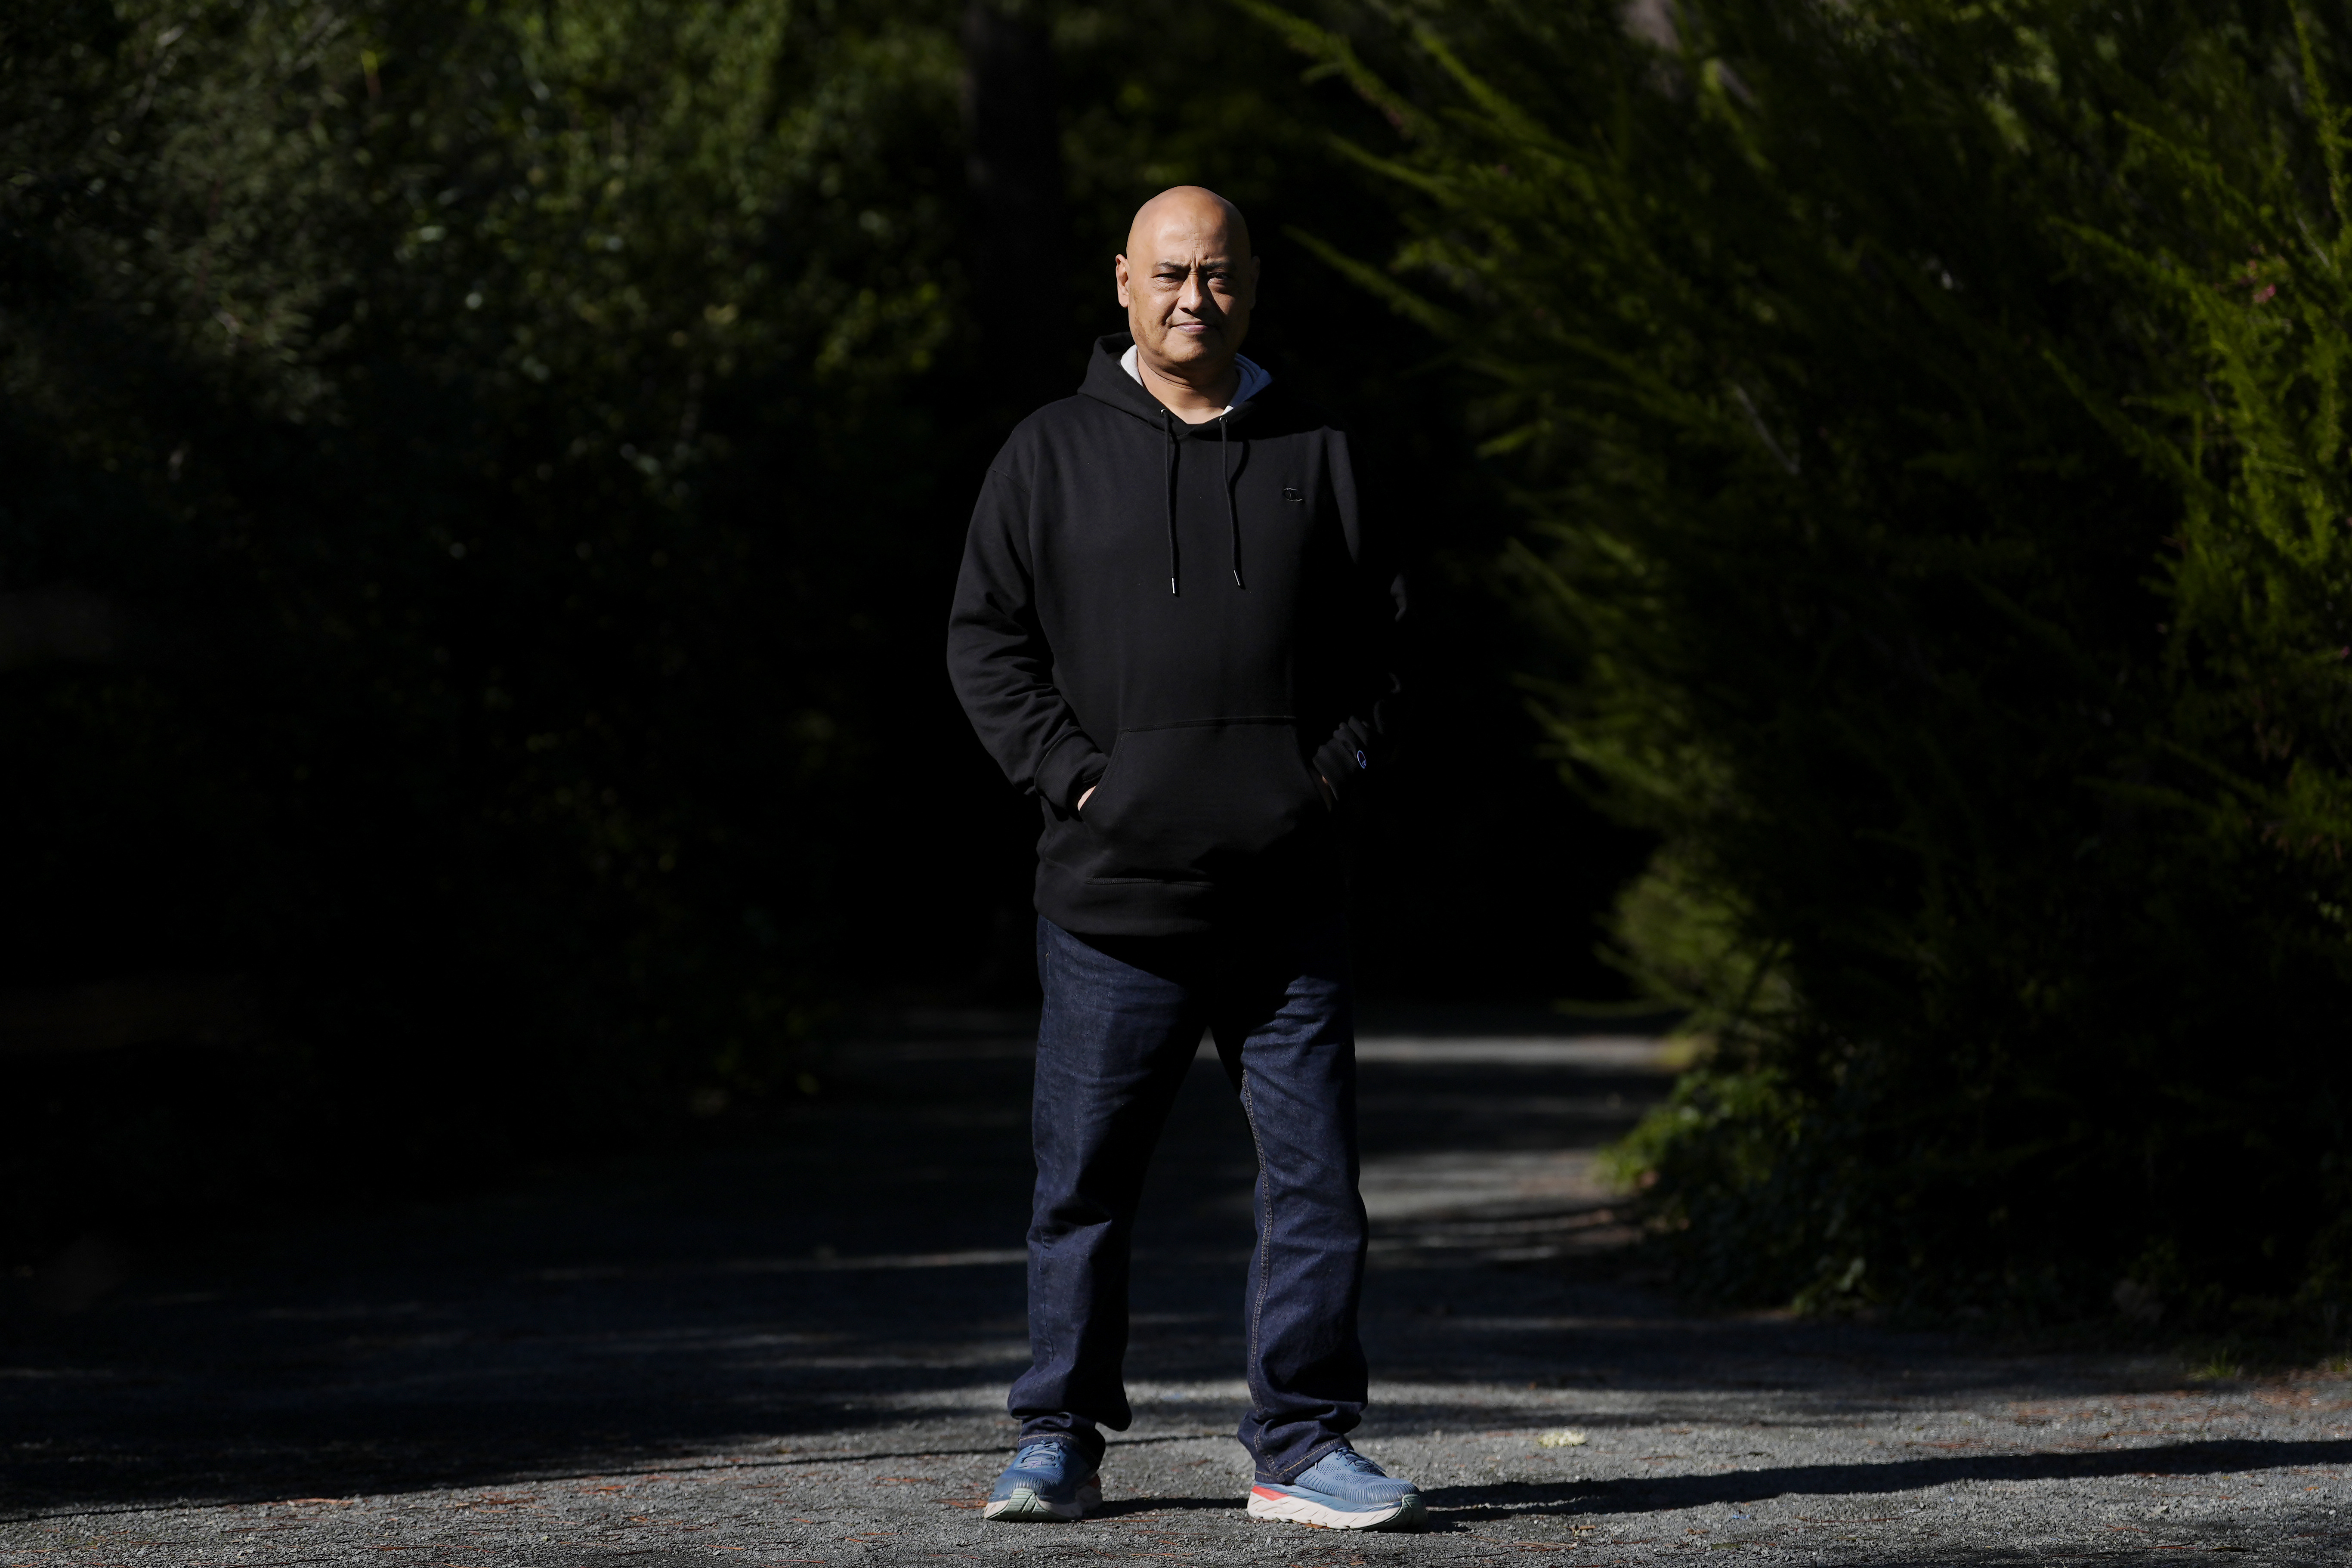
{"x":466,"y":425}
{"x":1680,"y":934}
{"x":2237,"y":251}
{"x":1929,"y":423}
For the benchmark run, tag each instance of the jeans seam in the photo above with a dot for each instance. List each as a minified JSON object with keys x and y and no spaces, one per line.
{"x":1041,"y":1339}
{"x":1265,"y":1243}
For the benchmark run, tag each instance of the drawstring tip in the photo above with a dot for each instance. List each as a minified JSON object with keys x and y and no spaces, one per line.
{"x":1237,"y":579}
{"x":1172,"y":587}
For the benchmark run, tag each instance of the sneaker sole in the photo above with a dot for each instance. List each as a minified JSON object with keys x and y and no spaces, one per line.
{"x":1407,"y":1512}
{"x":1026,"y":1506}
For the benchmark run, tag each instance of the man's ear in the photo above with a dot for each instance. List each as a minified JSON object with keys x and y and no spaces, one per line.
{"x":1118,"y":276}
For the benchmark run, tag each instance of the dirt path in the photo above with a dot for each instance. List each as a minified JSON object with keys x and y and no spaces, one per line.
{"x":794,"y":1347}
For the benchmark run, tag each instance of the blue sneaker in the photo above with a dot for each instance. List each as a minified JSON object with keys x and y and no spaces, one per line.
{"x":1341,"y":1490}
{"x":1046,"y":1480}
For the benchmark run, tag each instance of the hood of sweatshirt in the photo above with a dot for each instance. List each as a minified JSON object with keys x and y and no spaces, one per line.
{"x":1254,"y":378}
{"x":1109,"y":379}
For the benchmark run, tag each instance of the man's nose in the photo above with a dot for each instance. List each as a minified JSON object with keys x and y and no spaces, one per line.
{"x":1194,"y":294}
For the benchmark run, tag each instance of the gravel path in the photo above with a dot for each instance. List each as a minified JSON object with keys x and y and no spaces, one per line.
{"x":793,"y":1347}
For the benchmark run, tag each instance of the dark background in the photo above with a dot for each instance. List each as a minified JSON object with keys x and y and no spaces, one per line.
{"x":1477,"y":878}
{"x":462,"y":703}
{"x":481,"y":482}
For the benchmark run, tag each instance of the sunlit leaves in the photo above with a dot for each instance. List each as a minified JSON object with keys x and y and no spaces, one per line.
{"x":1929,"y":422}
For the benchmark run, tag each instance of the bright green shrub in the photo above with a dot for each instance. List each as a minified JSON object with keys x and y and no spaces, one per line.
{"x":1929,"y":424}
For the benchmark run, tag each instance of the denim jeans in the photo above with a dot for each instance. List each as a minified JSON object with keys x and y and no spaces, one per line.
{"x":1122,"y":1021}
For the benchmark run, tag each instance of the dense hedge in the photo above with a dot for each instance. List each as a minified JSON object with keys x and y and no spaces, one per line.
{"x":388,"y":396}
{"x":1930,"y":430}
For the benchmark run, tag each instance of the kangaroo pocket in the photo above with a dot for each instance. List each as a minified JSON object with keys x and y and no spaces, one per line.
{"x":1203,"y":800}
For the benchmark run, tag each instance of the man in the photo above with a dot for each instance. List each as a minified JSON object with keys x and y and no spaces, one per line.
{"x":1173,"y":629}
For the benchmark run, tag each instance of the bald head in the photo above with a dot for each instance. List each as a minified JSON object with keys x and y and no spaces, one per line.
{"x":1187,"y":281}
{"x":1184,"y":211}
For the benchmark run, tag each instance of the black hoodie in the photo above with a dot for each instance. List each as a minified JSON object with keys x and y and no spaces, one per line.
{"x":1194,"y":621}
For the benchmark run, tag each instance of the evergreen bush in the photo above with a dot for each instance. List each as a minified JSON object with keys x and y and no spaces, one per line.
{"x":1929,"y":425}
{"x":453,"y":451}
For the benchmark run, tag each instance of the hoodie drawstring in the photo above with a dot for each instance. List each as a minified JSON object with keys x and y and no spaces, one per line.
{"x":1168,"y":486}
{"x":1233,"y":511}
{"x":1225,"y":483}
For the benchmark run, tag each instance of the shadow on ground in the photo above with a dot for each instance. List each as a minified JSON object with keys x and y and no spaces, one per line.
{"x":1883,"y":1478}
{"x":843,"y":1285}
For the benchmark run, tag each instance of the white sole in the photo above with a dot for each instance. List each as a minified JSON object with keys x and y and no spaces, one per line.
{"x":1408,"y":1513}
{"x":1026,"y":1506}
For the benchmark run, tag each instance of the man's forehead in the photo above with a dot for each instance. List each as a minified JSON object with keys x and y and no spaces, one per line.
{"x":1187,"y":225}
{"x":1182,"y":240}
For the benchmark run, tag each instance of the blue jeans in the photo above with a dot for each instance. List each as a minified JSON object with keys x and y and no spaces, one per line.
{"x":1122,"y":1021}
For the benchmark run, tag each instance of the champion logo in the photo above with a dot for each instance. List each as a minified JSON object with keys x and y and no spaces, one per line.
{"x":1362,"y":761}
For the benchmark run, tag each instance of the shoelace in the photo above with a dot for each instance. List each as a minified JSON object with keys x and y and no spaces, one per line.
{"x":1043,"y":1448}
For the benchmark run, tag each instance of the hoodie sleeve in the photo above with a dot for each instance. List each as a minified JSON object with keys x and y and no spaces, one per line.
{"x":999,"y":662}
{"x":1373,"y":624}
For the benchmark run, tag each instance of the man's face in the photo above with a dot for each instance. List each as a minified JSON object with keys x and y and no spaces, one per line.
{"x":1187,"y":281}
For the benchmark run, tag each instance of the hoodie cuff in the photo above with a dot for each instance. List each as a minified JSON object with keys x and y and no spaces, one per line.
{"x":1343,"y":764}
{"x":1069,"y":771}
